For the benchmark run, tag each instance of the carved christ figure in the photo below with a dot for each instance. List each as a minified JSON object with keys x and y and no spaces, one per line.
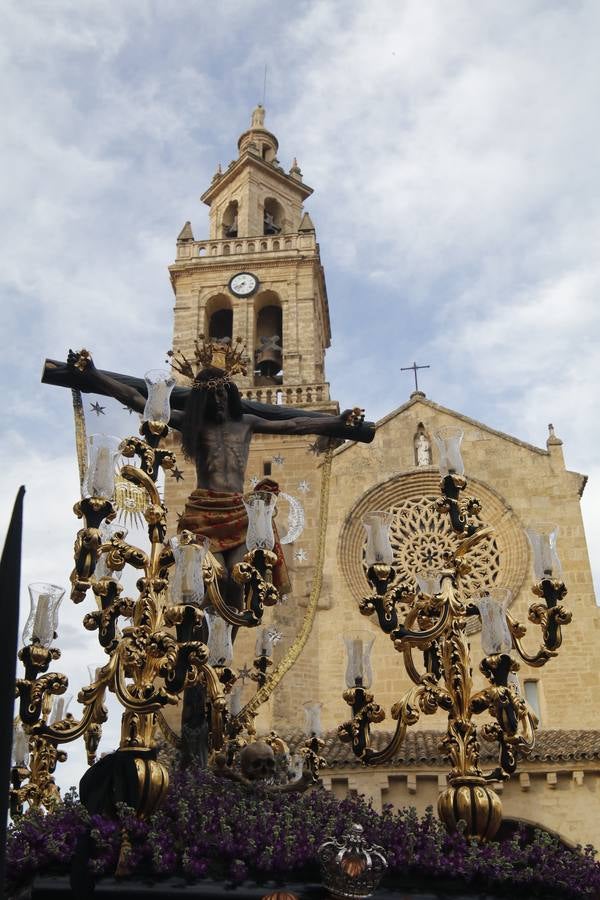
{"x":216,"y":432}
{"x":216,"y":427}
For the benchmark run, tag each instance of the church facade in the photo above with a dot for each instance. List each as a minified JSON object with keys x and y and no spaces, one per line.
{"x":258,"y":276}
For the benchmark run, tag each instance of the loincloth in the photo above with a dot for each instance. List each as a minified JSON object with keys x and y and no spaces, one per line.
{"x":221,"y":517}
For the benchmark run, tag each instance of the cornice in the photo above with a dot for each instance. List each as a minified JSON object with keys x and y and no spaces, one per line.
{"x":249,"y":159}
{"x":189,"y":267}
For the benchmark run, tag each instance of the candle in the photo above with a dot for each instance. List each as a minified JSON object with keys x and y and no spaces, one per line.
{"x":357,"y":654}
{"x":312,"y":714}
{"x":101,"y":472}
{"x":20,"y":746}
{"x":57,"y":710}
{"x":358,"y":663}
{"x":42,"y":622}
{"x":264,"y":643}
{"x":235,"y":702}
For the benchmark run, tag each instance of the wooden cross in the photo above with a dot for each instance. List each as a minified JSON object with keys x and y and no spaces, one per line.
{"x":413,"y":369}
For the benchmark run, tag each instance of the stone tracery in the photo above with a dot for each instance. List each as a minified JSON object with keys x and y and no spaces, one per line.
{"x":420,"y":534}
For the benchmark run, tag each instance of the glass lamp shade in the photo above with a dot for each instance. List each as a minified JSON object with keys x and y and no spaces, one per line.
{"x":220,"y":646}
{"x":448,"y":441}
{"x":235,"y":699}
{"x":60,"y":706}
{"x":260,"y":506}
{"x":429,"y":581}
{"x":160,"y":383}
{"x":20,"y":747}
{"x":94,"y":673}
{"x":296,"y":766}
{"x":312,"y":718}
{"x":187,"y":586}
{"x":513,"y":681}
{"x":42,"y":622}
{"x":358,"y":659}
{"x":266,"y":640}
{"x":495,"y":633}
{"x":107,"y":532}
{"x":377,"y":527}
{"x":100,"y":477}
{"x":264,"y":643}
{"x":542,"y":539}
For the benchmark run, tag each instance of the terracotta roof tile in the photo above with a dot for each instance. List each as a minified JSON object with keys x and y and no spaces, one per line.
{"x":421,"y":748}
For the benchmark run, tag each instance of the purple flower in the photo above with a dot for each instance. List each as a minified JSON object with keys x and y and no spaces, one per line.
{"x":211,"y":828}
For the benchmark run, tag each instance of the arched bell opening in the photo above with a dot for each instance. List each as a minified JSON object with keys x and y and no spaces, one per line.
{"x":219,"y":318}
{"x":229,"y":223}
{"x":272,"y":216}
{"x":268,"y":353}
{"x":267,"y":151}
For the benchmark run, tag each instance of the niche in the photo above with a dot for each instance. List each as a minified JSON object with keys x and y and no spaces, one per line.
{"x":422,"y":446}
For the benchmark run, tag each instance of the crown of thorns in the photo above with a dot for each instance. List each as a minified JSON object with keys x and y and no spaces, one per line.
{"x":223,"y":355}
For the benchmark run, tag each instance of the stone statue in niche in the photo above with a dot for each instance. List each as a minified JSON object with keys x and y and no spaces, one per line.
{"x":422,"y":447}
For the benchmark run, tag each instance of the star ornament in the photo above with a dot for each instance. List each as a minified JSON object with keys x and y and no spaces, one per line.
{"x":274,"y":635}
{"x":244,"y":673}
{"x":301,"y":555}
{"x":177,"y":474}
{"x":304,"y":486}
{"x":278,"y":460}
{"x":99,"y":410}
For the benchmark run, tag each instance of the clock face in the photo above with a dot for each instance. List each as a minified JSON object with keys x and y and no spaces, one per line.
{"x":244,"y":284}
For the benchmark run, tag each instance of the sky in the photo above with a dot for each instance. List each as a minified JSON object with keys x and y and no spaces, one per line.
{"x":452,"y":147}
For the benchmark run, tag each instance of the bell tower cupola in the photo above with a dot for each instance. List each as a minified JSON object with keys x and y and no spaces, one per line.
{"x":259,"y":274}
{"x":254,"y":196}
{"x":258,"y":139}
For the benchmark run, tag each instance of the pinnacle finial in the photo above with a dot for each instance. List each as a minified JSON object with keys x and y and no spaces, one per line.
{"x":185,"y":234}
{"x":553,"y":440}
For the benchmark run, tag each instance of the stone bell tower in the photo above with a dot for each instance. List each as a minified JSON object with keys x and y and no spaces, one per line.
{"x":259,"y":277}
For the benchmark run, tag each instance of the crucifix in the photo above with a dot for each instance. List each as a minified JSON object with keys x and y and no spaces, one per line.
{"x":414,"y":369}
{"x":216,"y":423}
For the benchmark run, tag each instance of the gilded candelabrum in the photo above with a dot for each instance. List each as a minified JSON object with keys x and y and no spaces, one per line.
{"x":433,"y":621}
{"x":175,"y":635}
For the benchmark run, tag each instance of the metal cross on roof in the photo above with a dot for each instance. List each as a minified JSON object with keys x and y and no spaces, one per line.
{"x":414,"y":369}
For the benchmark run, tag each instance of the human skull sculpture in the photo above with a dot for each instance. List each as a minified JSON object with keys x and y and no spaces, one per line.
{"x":257,"y":761}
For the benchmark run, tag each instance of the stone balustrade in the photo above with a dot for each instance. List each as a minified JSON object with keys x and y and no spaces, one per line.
{"x":289,"y":395}
{"x":280,"y":243}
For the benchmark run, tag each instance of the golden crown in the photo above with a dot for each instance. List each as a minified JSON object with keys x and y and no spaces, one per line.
{"x":222,"y":354}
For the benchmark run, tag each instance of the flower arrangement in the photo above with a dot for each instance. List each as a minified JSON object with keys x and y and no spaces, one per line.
{"x":207,"y":828}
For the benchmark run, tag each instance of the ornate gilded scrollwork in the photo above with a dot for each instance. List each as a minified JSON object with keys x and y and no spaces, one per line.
{"x":463,"y":512}
{"x":436,"y":626}
{"x":387,"y":597}
{"x":255,"y":574}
